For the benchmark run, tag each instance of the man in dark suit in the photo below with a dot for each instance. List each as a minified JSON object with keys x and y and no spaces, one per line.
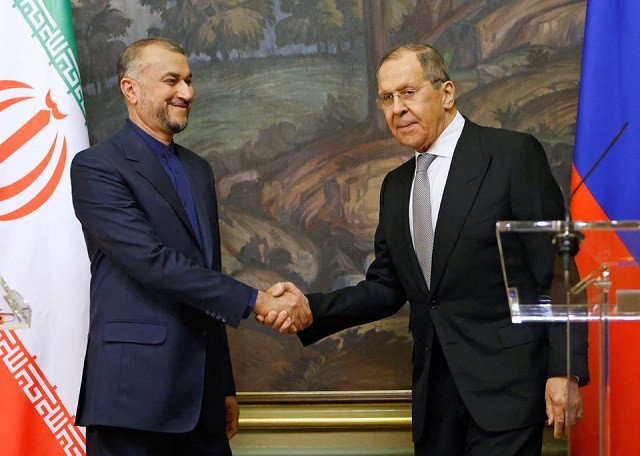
{"x":481,"y":384}
{"x":158,"y":378}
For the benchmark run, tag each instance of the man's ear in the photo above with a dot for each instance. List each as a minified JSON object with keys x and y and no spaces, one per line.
{"x":129,"y":89}
{"x":449,"y":92}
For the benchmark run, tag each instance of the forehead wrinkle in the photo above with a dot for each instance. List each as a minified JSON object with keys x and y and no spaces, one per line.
{"x":401,"y":70}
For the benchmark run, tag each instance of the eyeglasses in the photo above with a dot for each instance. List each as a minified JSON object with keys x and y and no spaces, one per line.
{"x":406,"y":95}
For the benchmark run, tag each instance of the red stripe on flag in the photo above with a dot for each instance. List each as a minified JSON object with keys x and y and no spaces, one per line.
{"x":11,"y":190}
{"x":8,"y":84}
{"x":34,"y":419}
{"x":24,"y":134}
{"x":46,"y":191}
{"x":624,"y":340}
{"x":11,"y":101}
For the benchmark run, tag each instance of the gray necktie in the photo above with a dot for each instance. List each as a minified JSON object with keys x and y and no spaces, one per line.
{"x":422,"y":225}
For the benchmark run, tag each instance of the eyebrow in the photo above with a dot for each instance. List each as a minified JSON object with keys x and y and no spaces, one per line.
{"x":175,"y":75}
{"x":409,"y":85}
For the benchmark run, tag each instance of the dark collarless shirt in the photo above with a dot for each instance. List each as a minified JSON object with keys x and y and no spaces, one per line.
{"x":173,"y":166}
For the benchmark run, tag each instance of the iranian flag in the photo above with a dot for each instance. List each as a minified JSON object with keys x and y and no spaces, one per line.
{"x":42,"y":253}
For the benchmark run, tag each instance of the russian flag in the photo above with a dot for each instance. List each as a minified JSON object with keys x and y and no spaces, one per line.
{"x":609,"y":97}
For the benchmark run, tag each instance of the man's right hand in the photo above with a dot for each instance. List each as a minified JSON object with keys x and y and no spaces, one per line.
{"x":283,"y":308}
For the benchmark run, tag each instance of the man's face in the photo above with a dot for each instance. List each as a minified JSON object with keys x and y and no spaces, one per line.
{"x":164,"y":90}
{"x":418,"y":122}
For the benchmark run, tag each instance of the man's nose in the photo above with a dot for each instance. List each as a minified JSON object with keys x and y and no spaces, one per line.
{"x":399,"y":105}
{"x":185,"y":90}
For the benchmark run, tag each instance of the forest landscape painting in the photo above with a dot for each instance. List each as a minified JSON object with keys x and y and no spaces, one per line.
{"x":285,"y":113}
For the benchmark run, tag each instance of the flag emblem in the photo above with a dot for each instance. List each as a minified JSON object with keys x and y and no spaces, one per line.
{"x":42,"y":169}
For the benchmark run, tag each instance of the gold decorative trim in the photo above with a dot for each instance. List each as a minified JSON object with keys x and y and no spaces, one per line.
{"x":327,"y":410}
{"x":336,"y":397}
{"x":326,"y":423}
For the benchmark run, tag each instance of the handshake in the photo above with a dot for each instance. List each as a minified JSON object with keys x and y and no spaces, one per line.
{"x":284,"y":308}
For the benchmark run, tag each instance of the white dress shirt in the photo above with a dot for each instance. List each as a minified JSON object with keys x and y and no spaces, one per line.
{"x":443,"y":149}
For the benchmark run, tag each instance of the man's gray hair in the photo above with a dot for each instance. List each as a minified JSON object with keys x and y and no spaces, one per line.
{"x":433,"y":65}
{"x":131,"y":54}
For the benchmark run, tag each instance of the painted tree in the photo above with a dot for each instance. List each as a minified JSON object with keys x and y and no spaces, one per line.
{"x":213,"y":27}
{"x":310,"y":22}
{"x":234,"y":24}
{"x":352,"y":23}
{"x":181,"y":21}
{"x":380,"y":18}
{"x":97,"y":26}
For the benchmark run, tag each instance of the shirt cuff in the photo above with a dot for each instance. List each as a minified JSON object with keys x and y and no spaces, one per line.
{"x":252,"y":302}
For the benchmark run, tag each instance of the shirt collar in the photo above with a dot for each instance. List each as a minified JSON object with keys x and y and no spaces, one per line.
{"x":446,"y":142}
{"x":158,"y":148}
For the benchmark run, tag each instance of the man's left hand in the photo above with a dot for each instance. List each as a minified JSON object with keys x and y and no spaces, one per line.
{"x":232,"y":415}
{"x":564,"y":404}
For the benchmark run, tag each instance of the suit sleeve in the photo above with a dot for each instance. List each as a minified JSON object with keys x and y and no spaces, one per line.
{"x":118,"y":229}
{"x":378,"y":296}
{"x":536,"y":196}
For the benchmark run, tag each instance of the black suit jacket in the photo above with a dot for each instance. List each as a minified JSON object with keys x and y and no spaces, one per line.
{"x":500,"y":368}
{"x":157,"y":347}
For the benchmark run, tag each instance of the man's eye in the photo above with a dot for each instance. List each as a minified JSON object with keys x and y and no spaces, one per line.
{"x":386,"y":97}
{"x":408,"y":92}
{"x":170,"y":81}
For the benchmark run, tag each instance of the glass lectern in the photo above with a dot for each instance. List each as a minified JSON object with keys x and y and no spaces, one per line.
{"x":608,"y":288}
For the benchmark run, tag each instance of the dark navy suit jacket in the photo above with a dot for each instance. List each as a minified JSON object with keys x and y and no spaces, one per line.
{"x":500,"y":368}
{"x":157,"y":350}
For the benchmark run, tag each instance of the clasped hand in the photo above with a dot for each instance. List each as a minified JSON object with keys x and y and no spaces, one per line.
{"x":284,"y":308}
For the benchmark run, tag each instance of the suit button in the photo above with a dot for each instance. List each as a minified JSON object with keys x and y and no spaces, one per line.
{"x":428,"y":347}
{"x":224,"y":320}
{"x":208,"y":312}
{"x":433,"y":304}
{"x":204,"y":332}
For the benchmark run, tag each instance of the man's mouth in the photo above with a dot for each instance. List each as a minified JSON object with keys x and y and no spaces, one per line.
{"x":405,"y":125}
{"x":179,"y":104}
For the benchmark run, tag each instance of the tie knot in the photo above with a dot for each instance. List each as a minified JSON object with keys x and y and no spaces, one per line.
{"x":424,"y":161}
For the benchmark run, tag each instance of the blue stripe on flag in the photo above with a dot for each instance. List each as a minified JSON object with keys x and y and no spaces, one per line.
{"x":609,"y":97}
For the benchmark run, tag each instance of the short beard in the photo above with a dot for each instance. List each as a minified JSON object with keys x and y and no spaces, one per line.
{"x":176,"y":127}
{"x":171,"y":125}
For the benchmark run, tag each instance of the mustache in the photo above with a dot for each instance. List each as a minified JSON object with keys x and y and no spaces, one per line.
{"x":180,"y":103}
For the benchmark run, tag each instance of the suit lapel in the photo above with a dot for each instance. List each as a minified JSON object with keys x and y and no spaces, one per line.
{"x":150,"y":168}
{"x":400,"y":213}
{"x":468,"y":167}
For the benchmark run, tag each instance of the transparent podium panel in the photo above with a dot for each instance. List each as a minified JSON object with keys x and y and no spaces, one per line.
{"x":15,"y":313}
{"x":609,"y":290}
{"x":606,"y":290}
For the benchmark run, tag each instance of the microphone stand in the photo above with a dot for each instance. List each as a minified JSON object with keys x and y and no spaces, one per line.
{"x":567,"y":243}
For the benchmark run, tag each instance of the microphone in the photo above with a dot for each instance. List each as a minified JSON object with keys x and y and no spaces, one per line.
{"x":595,"y":165}
{"x":568,"y":241}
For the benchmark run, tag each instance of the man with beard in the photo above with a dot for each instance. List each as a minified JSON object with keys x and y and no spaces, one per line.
{"x":157,"y":377}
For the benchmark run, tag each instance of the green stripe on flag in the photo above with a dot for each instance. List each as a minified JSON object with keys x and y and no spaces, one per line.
{"x":52,"y":25}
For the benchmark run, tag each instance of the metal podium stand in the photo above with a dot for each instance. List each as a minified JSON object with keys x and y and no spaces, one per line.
{"x":610,"y":291}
